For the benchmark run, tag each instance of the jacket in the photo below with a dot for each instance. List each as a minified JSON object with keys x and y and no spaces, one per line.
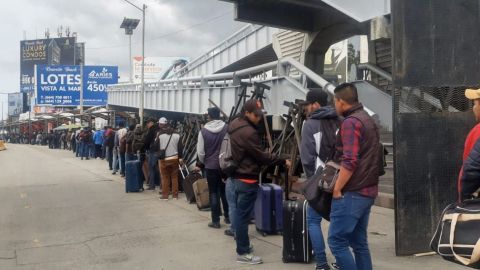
{"x":208,"y":144}
{"x":98,"y":137}
{"x":318,"y":139}
{"x":360,"y":132}
{"x":247,"y":150}
{"x":129,"y":142}
{"x":150,"y":135}
{"x":470,"y":175}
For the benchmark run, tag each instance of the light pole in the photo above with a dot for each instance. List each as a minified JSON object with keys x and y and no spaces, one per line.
{"x":129,"y":25}
{"x":142,"y":90}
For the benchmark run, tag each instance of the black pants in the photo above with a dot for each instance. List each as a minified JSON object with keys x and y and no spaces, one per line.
{"x":98,"y":150}
{"x":216,"y":188}
{"x":110,"y":157}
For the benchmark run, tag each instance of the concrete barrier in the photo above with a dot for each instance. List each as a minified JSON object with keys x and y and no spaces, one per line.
{"x":2,"y":145}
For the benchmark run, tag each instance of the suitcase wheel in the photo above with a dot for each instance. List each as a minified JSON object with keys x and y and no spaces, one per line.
{"x":264,"y":234}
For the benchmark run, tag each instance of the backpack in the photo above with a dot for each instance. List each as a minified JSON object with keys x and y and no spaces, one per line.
{"x":225,"y":159}
{"x":138,"y":143}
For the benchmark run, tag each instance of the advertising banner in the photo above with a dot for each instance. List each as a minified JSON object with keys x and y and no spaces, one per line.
{"x":16,"y":103}
{"x":96,"y":79}
{"x":157,"y":68}
{"x":60,"y":85}
{"x":53,"y":51}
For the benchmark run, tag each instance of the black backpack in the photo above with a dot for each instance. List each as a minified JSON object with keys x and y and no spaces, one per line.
{"x":138,"y":143}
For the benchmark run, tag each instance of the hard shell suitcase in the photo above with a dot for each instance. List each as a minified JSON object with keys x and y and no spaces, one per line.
{"x":188,"y":182}
{"x":132,"y":176}
{"x":296,"y":240}
{"x":200,"y":188}
{"x":268,"y":209}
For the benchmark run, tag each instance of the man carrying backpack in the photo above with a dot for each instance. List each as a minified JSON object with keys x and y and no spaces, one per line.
{"x":317,"y":147}
{"x":208,"y":149}
{"x":249,"y":156}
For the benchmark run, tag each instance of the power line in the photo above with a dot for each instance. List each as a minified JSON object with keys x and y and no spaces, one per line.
{"x":167,"y":34}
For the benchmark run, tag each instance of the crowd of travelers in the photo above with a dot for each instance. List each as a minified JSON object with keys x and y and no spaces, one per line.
{"x":340,"y":131}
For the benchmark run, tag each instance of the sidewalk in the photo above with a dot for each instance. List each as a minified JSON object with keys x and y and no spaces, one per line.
{"x":79,"y":217}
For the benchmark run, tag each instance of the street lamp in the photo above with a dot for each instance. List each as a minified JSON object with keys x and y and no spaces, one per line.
{"x":142,"y":91}
{"x":129,"y":25}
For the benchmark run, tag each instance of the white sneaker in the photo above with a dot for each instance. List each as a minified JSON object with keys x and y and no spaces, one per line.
{"x":249,"y":259}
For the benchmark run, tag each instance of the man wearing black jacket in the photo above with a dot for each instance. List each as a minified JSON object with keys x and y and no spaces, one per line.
{"x":153,"y":171}
{"x":247,"y":152}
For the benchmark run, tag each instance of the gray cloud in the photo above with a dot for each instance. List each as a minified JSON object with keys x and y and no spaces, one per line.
{"x":97,"y":23}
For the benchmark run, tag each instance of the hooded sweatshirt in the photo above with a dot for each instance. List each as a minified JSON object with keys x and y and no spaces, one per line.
{"x":208,"y":144}
{"x":318,"y":139}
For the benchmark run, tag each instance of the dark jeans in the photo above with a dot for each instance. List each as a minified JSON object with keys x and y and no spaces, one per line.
{"x":110,"y":157}
{"x":216,"y":189}
{"x":122,"y":163}
{"x":314,"y":220}
{"x":245,"y":195}
{"x":348,"y":228}
{"x":153,"y":170}
{"x":85,"y":149}
{"x":98,"y":150}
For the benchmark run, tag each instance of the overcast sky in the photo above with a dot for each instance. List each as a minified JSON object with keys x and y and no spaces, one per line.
{"x":196,"y":26}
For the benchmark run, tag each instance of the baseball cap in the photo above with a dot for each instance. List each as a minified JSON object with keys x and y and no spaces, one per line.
{"x":254,"y":106}
{"x":150,"y":120}
{"x":163,"y":120}
{"x":316,"y":96}
{"x":214,"y":112}
{"x":472,"y":93}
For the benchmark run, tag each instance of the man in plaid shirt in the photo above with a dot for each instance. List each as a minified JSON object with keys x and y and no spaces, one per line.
{"x":358,"y":147}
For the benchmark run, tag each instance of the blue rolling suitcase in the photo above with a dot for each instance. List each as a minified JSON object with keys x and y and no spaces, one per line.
{"x":133,"y":173}
{"x":269,"y":209}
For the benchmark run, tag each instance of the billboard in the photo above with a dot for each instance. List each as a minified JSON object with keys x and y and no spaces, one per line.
{"x":60,"y":85}
{"x":16,"y":103}
{"x":54,"y":51}
{"x":157,"y":68}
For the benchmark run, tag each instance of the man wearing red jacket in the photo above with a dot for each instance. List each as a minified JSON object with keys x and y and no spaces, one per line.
{"x":468,"y":181}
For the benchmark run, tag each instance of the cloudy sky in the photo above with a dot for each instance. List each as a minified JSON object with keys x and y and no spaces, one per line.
{"x":173,"y":28}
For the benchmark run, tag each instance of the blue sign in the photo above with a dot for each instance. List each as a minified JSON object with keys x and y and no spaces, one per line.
{"x":60,"y":85}
{"x":96,"y":79}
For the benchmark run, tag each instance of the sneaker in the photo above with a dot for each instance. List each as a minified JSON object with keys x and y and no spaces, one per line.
{"x":322,"y":267}
{"x":227,"y":220}
{"x":249,"y":259}
{"x":229,"y":232}
{"x":114,"y":173}
{"x":215,"y":225}
{"x":163,"y":198}
{"x":175,"y":198}
{"x":335,"y":266}
{"x":150,"y":188}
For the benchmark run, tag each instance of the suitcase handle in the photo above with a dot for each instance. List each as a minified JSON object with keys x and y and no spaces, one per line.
{"x":476,"y":250}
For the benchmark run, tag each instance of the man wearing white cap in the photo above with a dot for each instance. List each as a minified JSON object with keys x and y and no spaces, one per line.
{"x":468,"y":181}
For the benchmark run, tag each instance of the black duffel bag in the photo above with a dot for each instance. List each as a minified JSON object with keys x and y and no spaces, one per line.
{"x":318,"y":199}
{"x":457,"y":238}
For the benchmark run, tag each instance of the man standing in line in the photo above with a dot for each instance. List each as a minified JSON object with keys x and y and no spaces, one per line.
{"x":170,"y":141}
{"x":358,"y":143}
{"x":208,"y":149}
{"x":249,"y":156}
{"x":153,"y":171}
{"x":98,"y":140}
{"x":122,"y":132}
{"x":317,"y":147}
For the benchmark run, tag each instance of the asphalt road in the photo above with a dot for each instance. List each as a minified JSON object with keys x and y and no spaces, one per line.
{"x":58,"y":212}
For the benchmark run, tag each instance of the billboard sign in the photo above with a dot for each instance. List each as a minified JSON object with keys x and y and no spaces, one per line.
{"x":16,"y":103}
{"x":96,"y":79}
{"x":157,"y":68}
{"x":60,"y":85}
{"x":54,"y":51}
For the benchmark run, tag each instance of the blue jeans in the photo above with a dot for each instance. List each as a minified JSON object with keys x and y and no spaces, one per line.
{"x":232,"y":202}
{"x":316,"y":236}
{"x":348,"y":228}
{"x":217,"y":197}
{"x":245,"y":196}
{"x":78,"y":149}
{"x":116,"y":159}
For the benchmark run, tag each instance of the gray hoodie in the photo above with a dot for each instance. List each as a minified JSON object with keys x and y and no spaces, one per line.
{"x":318,"y":139}
{"x":209,"y":141}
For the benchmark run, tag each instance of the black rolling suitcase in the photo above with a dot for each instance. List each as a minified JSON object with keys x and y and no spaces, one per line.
{"x":296,"y":240}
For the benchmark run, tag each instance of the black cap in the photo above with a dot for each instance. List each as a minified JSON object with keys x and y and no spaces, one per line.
{"x":316,"y":96}
{"x":214,"y":112}
{"x":150,"y":120}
